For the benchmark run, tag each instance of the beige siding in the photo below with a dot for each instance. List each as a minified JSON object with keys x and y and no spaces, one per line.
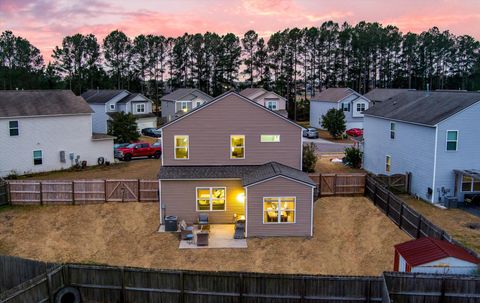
{"x":279,"y":187}
{"x":272,"y":97}
{"x":179,"y":199}
{"x":209,"y":130}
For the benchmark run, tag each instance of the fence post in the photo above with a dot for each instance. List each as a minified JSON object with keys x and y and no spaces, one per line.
{"x":375,"y":193}
{"x":139,"y":191}
{"x":41,"y":193}
{"x":419,"y":226}
{"x":123,"y":293}
{"x":240,"y":288}
{"x":105,"y":189}
{"x":387,"y":211}
{"x":335,"y":184}
{"x":400,"y":220}
{"x":49,"y":287}
{"x":367,"y":291}
{"x":73,"y":192}
{"x":182,"y":288}
{"x":319,"y":185}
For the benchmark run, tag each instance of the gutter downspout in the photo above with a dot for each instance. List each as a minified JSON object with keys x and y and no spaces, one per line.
{"x":435,"y":164}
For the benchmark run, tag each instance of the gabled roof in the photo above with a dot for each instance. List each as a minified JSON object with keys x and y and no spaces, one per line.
{"x":249,"y":174}
{"x":426,"y":250}
{"x":421,"y":107}
{"x":226,"y":94}
{"x":259,"y":92}
{"x":182,"y":93}
{"x":334,"y":94}
{"x":101,"y":95}
{"x":383,"y":94}
{"x":131,"y":96}
{"x":25,"y":103}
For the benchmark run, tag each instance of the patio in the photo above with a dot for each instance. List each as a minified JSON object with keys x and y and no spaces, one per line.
{"x":220,"y":236}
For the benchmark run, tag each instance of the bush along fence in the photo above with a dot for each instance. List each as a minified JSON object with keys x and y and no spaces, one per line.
{"x":98,"y":283}
{"x":404,"y":216}
{"x":39,"y":192}
{"x":339,"y":184}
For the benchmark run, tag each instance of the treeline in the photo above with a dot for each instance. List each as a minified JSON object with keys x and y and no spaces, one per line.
{"x":294,"y":62}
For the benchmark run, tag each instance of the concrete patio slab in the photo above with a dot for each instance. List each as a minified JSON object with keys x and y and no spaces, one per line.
{"x":221,"y":236}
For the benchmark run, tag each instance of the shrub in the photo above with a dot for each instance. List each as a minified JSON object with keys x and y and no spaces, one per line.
{"x":309,"y":160}
{"x":353,"y":157}
{"x":334,"y":122}
{"x":124,"y":127}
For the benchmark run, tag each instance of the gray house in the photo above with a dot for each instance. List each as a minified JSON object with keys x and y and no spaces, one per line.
{"x":269,"y":99}
{"x":181,"y":101}
{"x":433,"y":135}
{"x":378,"y":95}
{"x":351,"y":102}
{"x":106,"y":103}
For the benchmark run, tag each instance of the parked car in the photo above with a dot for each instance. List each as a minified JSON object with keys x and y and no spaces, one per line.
{"x":151,"y":132}
{"x":311,"y":133}
{"x":355,"y":132}
{"x":139,"y":149}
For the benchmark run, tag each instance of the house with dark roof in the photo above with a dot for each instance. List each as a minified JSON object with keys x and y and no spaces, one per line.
{"x":234,"y":158}
{"x":106,"y":103}
{"x":181,"y":101}
{"x":378,"y":95}
{"x":270,"y":100}
{"x":429,"y":255}
{"x":434,"y":136}
{"x":45,"y":130}
{"x":352,"y":103}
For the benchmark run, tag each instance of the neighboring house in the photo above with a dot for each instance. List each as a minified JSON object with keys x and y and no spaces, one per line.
{"x":106,"y":103}
{"x":181,"y":101}
{"x":429,"y":255}
{"x":433,"y":135}
{"x":270,"y":100}
{"x":235,"y":158}
{"x":378,"y":95}
{"x":48,"y":130}
{"x":352,"y":103}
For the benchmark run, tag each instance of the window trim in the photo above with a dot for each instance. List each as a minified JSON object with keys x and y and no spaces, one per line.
{"x":278,"y":201}
{"x":33,"y":156}
{"x":244,"y":148}
{"x":456,"y":141}
{"x":273,"y":102}
{"x":138,"y":105}
{"x":261,"y":139}
{"x":345,"y":108}
{"x":197,"y":103}
{"x":211,"y":204}
{"x":472,"y":184}
{"x":364,"y":107}
{"x":112,"y":106}
{"x":10,"y":129}
{"x":181,"y":102}
{"x":393,"y":130}
{"x":175,"y":147}
{"x":388,"y":162}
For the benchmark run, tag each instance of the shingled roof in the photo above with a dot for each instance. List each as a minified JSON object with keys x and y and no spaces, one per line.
{"x":101,"y":96}
{"x":421,"y":107}
{"x":383,"y":94}
{"x":333,"y":94}
{"x":181,"y":93}
{"x":25,"y":103}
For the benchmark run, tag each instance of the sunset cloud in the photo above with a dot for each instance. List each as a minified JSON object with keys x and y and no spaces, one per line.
{"x":46,"y":22}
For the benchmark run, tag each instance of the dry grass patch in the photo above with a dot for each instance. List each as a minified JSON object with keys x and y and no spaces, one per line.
{"x":352,"y":237}
{"x":453,"y":221}
{"x":324,"y":165}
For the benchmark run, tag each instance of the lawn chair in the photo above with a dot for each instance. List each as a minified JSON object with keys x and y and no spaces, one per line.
{"x":203,"y":220}
{"x":186,"y":231}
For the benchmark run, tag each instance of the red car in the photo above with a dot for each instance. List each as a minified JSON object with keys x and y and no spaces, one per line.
{"x":139,"y":149}
{"x":355,"y":132}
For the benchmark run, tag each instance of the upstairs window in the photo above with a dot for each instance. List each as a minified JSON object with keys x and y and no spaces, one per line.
{"x":346,"y":107}
{"x":273,"y":105}
{"x":37,"y":157}
{"x":13,"y":127}
{"x":184,"y":106}
{"x":181,"y":147}
{"x":361,"y":107}
{"x":140,"y":108}
{"x":211,"y":198}
{"x":237,"y":147}
{"x":112,"y":106}
{"x":388,"y":163}
{"x":269,"y":138}
{"x":452,"y":140}
{"x":392,"y":130}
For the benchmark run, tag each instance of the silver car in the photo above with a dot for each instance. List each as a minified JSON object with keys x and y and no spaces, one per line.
{"x":311,"y":133}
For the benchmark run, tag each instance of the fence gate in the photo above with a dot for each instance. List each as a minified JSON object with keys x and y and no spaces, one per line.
{"x":121,"y":190}
{"x":327,"y":184}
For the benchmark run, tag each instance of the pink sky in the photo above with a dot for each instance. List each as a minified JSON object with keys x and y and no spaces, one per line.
{"x":46,"y":22}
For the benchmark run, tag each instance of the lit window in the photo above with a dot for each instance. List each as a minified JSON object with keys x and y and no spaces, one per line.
{"x":469,"y":184}
{"x":452,"y":140}
{"x":140,"y":108}
{"x":392,"y":130}
{"x":279,"y":210}
{"x":360,"y":107}
{"x":37,"y":157}
{"x":13,"y":126}
{"x":181,"y":147}
{"x":273,"y":105}
{"x":184,"y":106}
{"x":388,"y":163}
{"x":211,"y":198}
{"x":270,"y":138}
{"x":237,"y":147}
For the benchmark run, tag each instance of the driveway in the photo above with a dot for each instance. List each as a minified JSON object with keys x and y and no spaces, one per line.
{"x":325,"y":146}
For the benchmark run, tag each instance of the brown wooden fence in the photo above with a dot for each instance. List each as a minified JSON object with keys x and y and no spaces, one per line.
{"x":398,"y":182}
{"x":39,"y":192}
{"x":339,"y":184}
{"x":3,"y":193}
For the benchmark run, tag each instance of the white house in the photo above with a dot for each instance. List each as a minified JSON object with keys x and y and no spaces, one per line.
{"x":429,"y":255}
{"x":48,"y":130}
{"x":352,"y":103}
{"x":432,"y":135}
{"x":105,"y":103}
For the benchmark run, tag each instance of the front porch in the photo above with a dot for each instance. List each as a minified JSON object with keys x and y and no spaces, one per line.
{"x":219,"y":236}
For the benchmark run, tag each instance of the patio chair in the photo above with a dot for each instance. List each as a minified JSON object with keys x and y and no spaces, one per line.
{"x":186,"y":231}
{"x":202,"y":219}
{"x":202,"y":238}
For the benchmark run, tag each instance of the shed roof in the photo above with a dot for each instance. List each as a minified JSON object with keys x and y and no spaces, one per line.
{"x":24,"y":103}
{"x":383,"y":94}
{"x":333,"y":94}
{"x":181,"y":93}
{"x":421,"y":107}
{"x":427,"y":249}
{"x":101,"y":96}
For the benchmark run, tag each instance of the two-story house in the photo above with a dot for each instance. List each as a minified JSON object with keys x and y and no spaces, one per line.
{"x":379,"y":95}
{"x":433,"y":135}
{"x":352,"y":103}
{"x":106,"y":103}
{"x":181,"y":101}
{"x":233,"y":157}
{"x":45,"y":130}
{"x":270,"y":100}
